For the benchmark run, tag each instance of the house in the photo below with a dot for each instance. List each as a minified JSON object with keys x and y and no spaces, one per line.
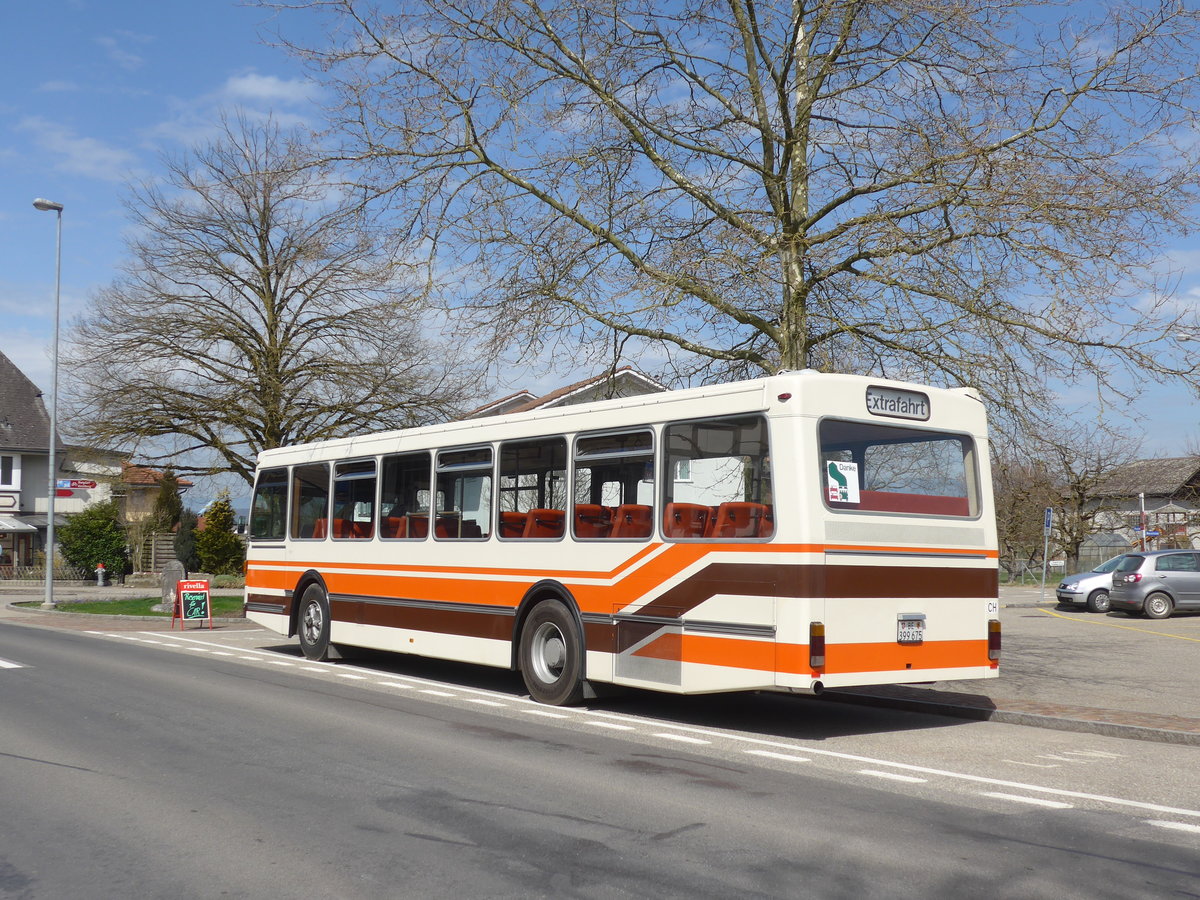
{"x":625,"y":382}
{"x":1169,"y":492}
{"x":84,"y":476}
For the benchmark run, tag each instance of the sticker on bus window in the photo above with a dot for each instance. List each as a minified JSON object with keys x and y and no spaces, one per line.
{"x":843,"y":482}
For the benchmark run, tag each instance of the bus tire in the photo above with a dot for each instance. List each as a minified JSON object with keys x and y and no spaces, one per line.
{"x":551,"y":655}
{"x":312,"y":624}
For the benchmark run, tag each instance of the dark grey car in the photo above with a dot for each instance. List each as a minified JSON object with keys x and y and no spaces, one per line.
{"x":1156,"y":583}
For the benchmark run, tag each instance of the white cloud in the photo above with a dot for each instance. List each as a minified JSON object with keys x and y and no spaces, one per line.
{"x":77,"y":155}
{"x":58,"y":86}
{"x":117,"y":48}
{"x":269,"y":89}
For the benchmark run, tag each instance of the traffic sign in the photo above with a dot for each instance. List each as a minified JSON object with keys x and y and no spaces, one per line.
{"x":63,"y":492}
{"x":78,"y":484}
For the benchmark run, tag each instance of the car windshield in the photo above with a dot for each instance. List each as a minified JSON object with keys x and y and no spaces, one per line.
{"x":1129,"y":563}
{"x":1109,"y":565}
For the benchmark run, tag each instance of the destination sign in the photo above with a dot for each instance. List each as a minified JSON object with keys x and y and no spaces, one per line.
{"x":897,"y":403}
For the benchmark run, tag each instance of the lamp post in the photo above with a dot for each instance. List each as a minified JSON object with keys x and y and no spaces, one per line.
{"x":57,"y":208}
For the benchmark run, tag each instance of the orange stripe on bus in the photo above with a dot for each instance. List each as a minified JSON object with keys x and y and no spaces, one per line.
{"x":793,"y":658}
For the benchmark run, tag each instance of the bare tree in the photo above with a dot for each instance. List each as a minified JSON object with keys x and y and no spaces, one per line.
{"x":961,"y":191}
{"x":259,"y":307}
{"x":1023,"y":488}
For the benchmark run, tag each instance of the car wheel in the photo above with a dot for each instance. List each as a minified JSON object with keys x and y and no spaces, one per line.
{"x":1098,"y":601}
{"x":551,"y":655}
{"x":1157,"y":606}
{"x":313,"y":624}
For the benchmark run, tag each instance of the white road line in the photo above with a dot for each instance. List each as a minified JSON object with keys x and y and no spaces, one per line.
{"x":894,"y":776}
{"x":478,"y":700}
{"x":1177,"y":826}
{"x":786,"y":757}
{"x":352,"y":676}
{"x":545,"y":713}
{"x":396,"y":684}
{"x":682,"y":738}
{"x":1035,"y":801}
{"x":1032,"y":765}
{"x":437,"y":693}
{"x":612,"y":726}
{"x":5,"y":664}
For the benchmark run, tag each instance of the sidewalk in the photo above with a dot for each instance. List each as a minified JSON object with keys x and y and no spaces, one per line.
{"x":1064,"y":669}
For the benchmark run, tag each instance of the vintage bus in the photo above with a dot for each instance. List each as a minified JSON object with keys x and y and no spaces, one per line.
{"x":789,"y":533}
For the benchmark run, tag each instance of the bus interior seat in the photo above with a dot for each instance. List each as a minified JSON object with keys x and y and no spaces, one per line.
{"x":544,"y":523}
{"x":512,"y":524}
{"x":738,"y":519}
{"x":633,"y":520}
{"x":592,"y":520}
{"x":685,"y":520}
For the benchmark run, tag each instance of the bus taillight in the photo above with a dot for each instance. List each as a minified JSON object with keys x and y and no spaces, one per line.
{"x":816,"y":645}
{"x":993,"y":639}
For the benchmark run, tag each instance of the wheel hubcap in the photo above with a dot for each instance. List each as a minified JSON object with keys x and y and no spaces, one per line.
{"x":311,"y":623}
{"x":549,"y":654}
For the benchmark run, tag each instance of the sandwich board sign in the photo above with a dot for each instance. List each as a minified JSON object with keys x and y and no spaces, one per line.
{"x":192,"y":602}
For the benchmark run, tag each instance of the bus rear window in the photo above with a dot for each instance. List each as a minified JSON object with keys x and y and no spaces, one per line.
{"x":885,"y":468}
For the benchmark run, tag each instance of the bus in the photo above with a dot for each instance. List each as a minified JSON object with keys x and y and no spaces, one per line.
{"x":790,"y":533}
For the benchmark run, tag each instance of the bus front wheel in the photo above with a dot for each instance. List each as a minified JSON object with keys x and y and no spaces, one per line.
{"x":313,"y":623}
{"x":551,"y":655}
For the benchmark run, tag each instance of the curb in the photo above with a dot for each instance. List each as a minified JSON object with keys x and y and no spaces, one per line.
{"x":14,"y":607}
{"x":1015,"y":717}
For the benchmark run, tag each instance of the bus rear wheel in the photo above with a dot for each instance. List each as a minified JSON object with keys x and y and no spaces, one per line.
{"x":551,"y":655}
{"x":312,"y":626}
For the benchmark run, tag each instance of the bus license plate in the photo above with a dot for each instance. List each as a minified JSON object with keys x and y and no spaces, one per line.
{"x":910,"y":631}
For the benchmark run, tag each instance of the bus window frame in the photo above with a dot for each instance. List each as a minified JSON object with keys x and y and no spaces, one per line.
{"x":653,"y":429}
{"x":430,"y":454}
{"x":355,"y":476}
{"x":490,"y":467}
{"x":665,"y":466}
{"x":971,"y":459}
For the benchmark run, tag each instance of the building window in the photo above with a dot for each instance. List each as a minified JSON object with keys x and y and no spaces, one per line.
{"x":7,"y":472}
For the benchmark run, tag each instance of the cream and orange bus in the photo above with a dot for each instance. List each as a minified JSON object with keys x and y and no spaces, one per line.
{"x":790,"y":533}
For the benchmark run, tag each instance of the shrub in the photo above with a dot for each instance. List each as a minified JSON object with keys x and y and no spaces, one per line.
{"x":218,"y":549}
{"x":95,"y":536}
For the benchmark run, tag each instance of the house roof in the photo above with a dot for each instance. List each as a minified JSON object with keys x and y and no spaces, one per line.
{"x":143,"y":475}
{"x":625,"y":382}
{"x":24,"y":422}
{"x":1153,"y":477}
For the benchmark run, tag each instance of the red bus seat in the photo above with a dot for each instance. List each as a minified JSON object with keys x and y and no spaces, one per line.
{"x":592,"y":520}
{"x":632,"y":521}
{"x":738,"y":519}
{"x":685,"y":520}
{"x":512,"y":524}
{"x":544,"y":523}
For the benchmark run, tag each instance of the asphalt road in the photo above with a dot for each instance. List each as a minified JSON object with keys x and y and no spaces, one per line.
{"x":196,"y":765}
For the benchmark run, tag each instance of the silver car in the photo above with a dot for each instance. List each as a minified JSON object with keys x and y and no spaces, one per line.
{"x":1156,"y":583}
{"x":1089,"y":588}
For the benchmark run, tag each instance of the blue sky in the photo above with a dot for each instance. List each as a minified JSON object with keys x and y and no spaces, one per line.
{"x":95,"y":90}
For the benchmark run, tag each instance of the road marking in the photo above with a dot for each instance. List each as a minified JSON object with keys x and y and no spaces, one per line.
{"x":894,"y":776}
{"x":354,"y":677}
{"x":6,"y":664}
{"x":682,"y":738}
{"x":427,"y":691}
{"x":1021,"y":762}
{"x":1177,"y":826}
{"x":478,"y":700}
{"x":614,"y":726}
{"x":545,"y":713}
{"x":1124,"y":627}
{"x":786,"y":757}
{"x":1035,"y":801}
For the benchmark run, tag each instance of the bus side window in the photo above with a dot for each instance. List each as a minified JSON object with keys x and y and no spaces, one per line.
{"x":310,"y":500}
{"x":354,"y":499}
{"x":614,"y":486}
{"x":404,"y":496}
{"x":533,"y":488}
{"x":464,"y":494}
{"x":719,"y":483}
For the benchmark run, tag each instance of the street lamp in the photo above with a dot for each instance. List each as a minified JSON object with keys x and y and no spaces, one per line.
{"x":57,"y":208}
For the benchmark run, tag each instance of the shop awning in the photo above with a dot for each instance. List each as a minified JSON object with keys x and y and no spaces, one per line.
{"x":14,"y":524}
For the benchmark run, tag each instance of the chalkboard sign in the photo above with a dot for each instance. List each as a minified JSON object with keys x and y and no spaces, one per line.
{"x":191,"y":602}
